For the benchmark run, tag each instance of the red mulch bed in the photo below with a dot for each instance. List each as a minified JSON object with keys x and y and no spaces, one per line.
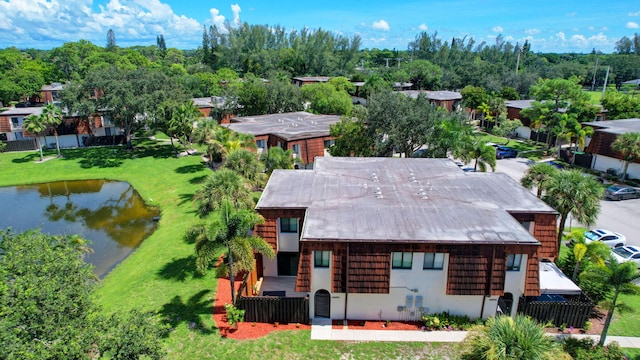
{"x":244,"y":330}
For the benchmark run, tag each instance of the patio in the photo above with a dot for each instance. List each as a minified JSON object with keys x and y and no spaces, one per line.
{"x":275,"y":284}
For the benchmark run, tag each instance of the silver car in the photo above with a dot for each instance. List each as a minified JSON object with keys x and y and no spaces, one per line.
{"x":627,"y":253}
{"x":612,"y":239}
{"x":621,"y":192}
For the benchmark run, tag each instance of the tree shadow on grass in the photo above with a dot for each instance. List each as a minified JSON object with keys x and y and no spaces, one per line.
{"x":187,"y":169}
{"x":177,"y":311}
{"x":180,"y":269}
{"x":27,"y":158}
{"x":198,"y":179}
{"x":185,"y":198}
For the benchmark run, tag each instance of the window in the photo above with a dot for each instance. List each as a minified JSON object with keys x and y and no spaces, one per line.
{"x":329,"y":143}
{"x":526,"y":225}
{"x":260,"y":144}
{"x":433,"y":261}
{"x":401,"y":260}
{"x":513,"y":262}
{"x":296,"y":149}
{"x":321,"y":259}
{"x":289,"y":225}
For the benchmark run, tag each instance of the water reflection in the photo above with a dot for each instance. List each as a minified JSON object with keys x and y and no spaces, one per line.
{"x":110,"y":214}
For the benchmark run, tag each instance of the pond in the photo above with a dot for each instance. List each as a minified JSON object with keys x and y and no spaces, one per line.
{"x":110,"y":214}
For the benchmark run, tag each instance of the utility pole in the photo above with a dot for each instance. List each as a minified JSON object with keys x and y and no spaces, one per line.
{"x":387,"y":60}
{"x":518,"y":61}
{"x":399,"y":59}
{"x":593,"y":83}
{"x":606,"y":78}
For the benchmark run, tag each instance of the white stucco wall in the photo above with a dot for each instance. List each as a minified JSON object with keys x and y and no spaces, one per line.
{"x":430,"y":284}
{"x":523,"y":132}
{"x":64,"y":141}
{"x":603,"y":163}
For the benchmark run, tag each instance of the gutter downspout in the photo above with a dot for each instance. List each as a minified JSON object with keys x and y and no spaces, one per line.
{"x":346,"y":285}
{"x":487,"y":292}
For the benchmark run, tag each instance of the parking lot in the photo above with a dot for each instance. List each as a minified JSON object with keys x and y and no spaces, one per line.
{"x":619,"y":216}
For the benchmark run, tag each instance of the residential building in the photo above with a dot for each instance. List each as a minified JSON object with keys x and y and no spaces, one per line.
{"x":393,"y":238}
{"x":599,"y":145}
{"x":305,"y":80}
{"x":210,"y":107}
{"x":449,"y":100}
{"x":12,"y":122}
{"x":306,"y":134}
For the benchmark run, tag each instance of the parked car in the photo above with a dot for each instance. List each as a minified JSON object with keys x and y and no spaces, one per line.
{"x":612,"y":239}
{"x":621,"y":192}
{"x":627,"y":253}
{"x":503,"y":152}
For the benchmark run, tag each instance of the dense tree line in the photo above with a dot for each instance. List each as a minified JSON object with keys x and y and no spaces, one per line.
{"x":429,"y":62}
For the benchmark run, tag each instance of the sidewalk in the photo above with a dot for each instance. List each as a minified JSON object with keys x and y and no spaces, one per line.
{"x":321,"y":329}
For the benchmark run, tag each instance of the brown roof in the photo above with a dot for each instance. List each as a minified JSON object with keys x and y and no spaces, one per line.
{"x":288,"y":126}
{"x":407,"y":200}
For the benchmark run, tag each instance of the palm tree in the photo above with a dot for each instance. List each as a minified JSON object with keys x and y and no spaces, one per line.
{"x":246,"y":163}
{"x":569,"y":191}
{"x":618,"y":278}
{"x":35,"y":125}
{"x":204,"y":134}
{"x":222,"y":184}
{"x":181,"y":123}
{"x":484,"y":155}
{"x":596,"y":251}
{"x":628,"y":145}
{"x":52,"y":116}
{"x":506,"y":338}
{"x":277,"y":158}
{"x":229,"y":232}
{"x":537,"y":175}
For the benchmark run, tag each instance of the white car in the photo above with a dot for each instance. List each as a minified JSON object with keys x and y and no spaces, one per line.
{"x":612,"y":239}
{"x":627,"y":253}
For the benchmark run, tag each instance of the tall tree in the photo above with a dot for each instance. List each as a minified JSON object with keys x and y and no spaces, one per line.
{"x":480,"y":153}
{"x":229,"y":231}
{"x":350,"y":134}
{"x":47,"y":309}
{"x":569,"y":191}
{"x":628,"y":145}
{"x":182,"y":120}
{"x":129,"y":96}
{"x":618,"y":278}
{"x":223,"y":184}
{"x":111,"y":40}
{"x":36,"y":125}
{"x":246,"y":163}
{"x":537,"y":175}
{"x":52,"y":116}
{"x":276,"y":158}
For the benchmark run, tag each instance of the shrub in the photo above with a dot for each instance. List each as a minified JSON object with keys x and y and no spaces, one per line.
{"x":234,"y":315}
{"x":585,"y":349}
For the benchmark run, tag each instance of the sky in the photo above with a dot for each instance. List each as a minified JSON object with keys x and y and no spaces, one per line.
{"x":559,"y":26}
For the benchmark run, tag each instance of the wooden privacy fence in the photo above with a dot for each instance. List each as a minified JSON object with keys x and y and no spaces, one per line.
{"x":570,"y":313}
{"x":21,"y":145}
{"x":271,"y":309}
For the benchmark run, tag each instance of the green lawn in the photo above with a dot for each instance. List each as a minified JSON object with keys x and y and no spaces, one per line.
{"x":526,"y":148}
{"x":595,"y":97}
{"x":160,"y":275}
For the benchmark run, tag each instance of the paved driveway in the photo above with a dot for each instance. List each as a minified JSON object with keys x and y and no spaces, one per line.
{"x":619,"y":216}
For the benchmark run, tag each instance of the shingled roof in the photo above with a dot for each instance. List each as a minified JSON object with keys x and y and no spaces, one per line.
{"x":288,"y":126}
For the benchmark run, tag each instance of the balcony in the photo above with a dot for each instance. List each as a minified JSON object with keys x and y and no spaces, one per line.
{"x":16,"y":127}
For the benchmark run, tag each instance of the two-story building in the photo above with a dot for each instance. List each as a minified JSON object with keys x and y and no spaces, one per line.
{"x":449,"y":100}
{"x":12,"y":122}
{"x":306,"y":134}
{"x":392,"y":238}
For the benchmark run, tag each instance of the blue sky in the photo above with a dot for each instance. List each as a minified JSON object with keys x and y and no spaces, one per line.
{"x":549,"y":25}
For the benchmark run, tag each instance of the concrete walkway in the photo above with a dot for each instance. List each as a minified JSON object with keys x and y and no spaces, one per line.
{"x":321,"y":329}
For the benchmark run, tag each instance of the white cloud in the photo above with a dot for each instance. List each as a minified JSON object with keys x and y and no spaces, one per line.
{"x":381,"y":25}
{"x":216,"y":18}
{"x":573,"y":13}
{"x":508,"y":38}
{"x":632,"y":25}
{"x":497,"y":29}
{"x":235,"y":8}
{"x":423,"y":27}
{"x":532,"y":31}
{"x":637,"y":13}
{"x":561,"y":36}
